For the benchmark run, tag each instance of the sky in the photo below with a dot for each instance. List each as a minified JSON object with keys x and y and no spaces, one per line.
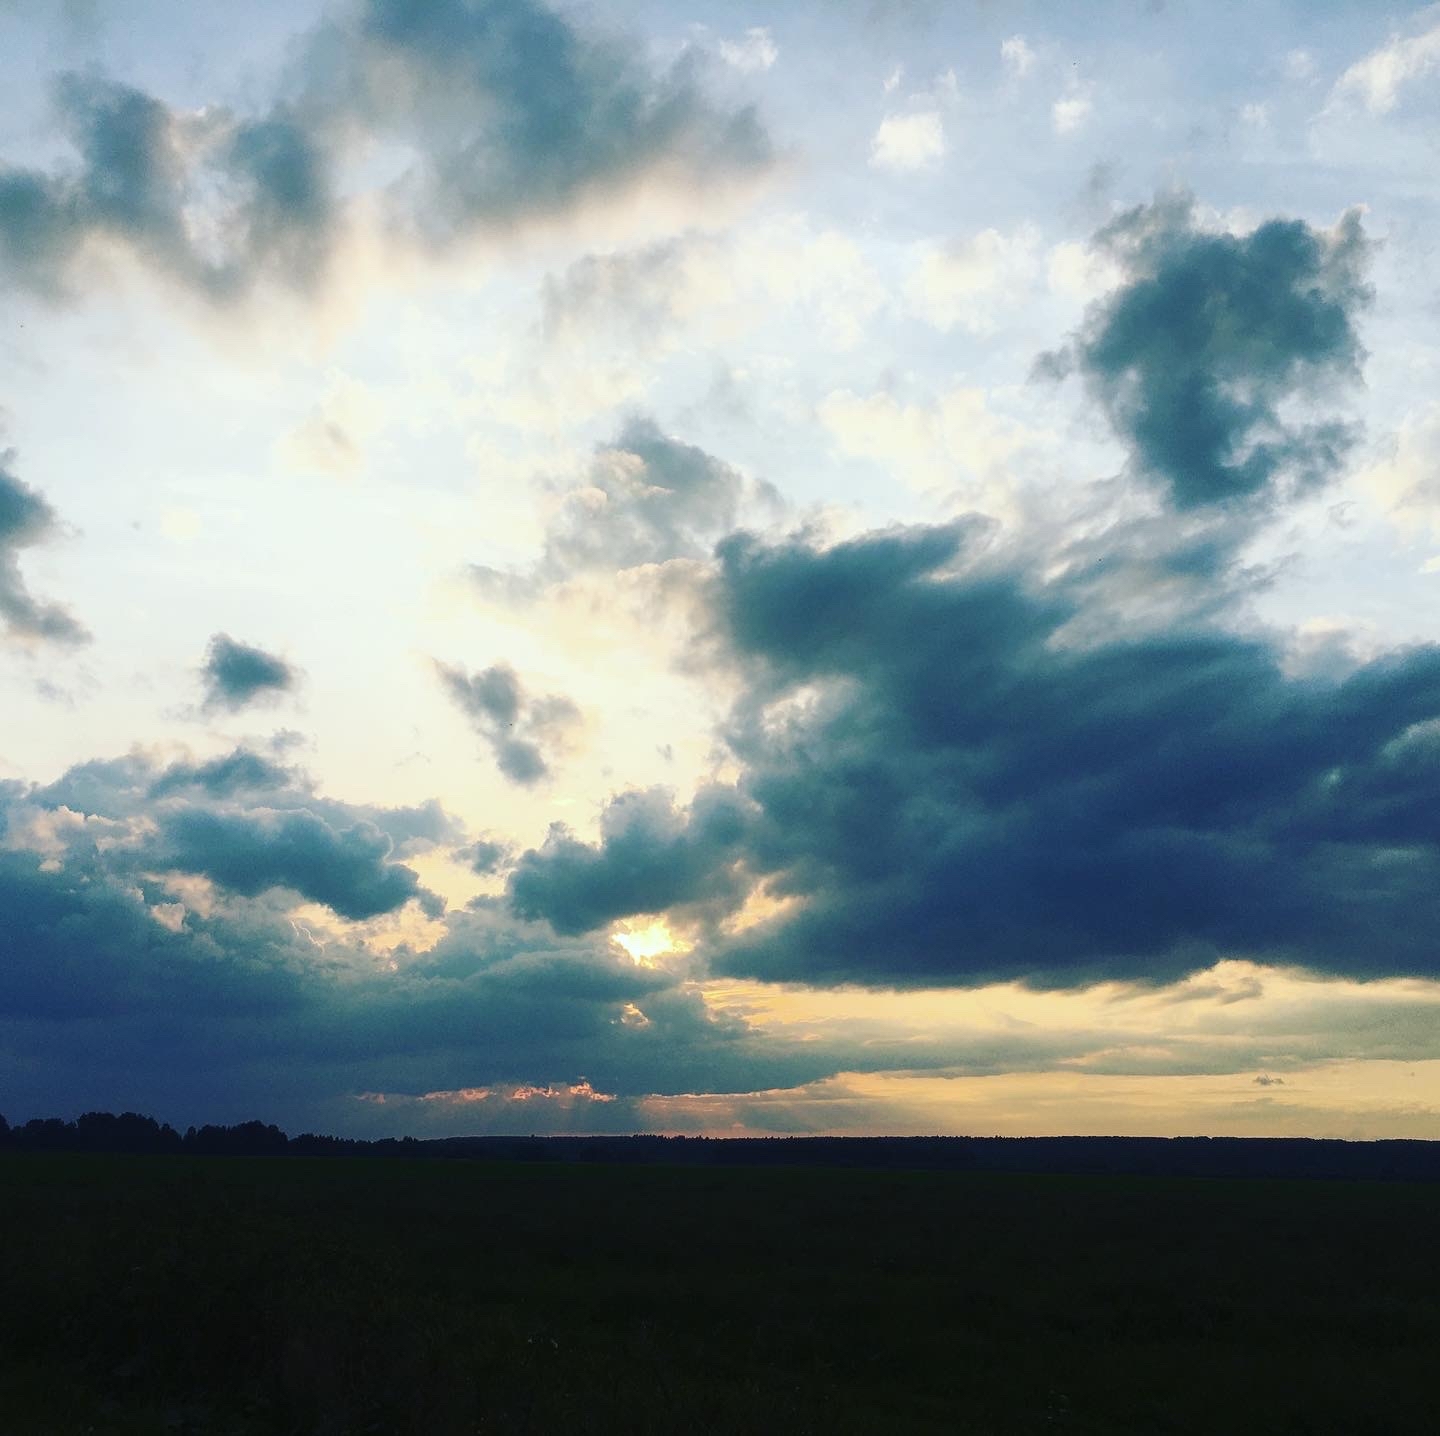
{"x":844,"y":567}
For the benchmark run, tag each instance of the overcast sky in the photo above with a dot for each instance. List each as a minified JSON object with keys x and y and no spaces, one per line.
{"x":837,"y":566}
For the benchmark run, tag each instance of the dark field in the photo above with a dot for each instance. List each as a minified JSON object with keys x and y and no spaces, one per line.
{"x":169,"y":1295}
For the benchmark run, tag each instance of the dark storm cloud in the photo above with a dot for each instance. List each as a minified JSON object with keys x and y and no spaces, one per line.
{"x":483,"y":856}
{"x":1200,"y":356}
{"x":105,"y":787}
{"x":347,"y":869}
{"x":251,"y":825}
{"x":645,"y":499}
{"x":651,"y":858}
{"x":239,"y":771}
{"x":237,"y":674}
{"x":505,"y":110}
{"x":113,"y":989}
{"x":117,"y":989}
{"x":80,"y":946}
{"x":517,"y":726}
{"x":27,"y":519}
{"x":134,"y":786}
{"x":952,"y":794}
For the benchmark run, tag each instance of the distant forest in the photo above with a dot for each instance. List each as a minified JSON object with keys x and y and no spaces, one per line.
{"x":1318,"y":1158}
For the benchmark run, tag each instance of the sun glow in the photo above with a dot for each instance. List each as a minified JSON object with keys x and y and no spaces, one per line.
{"x":647,"y":941}
{"x":760,"y":906}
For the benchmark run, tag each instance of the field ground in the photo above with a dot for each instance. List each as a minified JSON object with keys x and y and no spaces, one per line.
{"x":198,"y":1295}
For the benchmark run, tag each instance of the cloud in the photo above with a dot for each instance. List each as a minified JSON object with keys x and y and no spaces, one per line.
{"x":974,"y":283}
{"x":483,"y":856}
{"x":721,"y":287}
{"x":412,"y":829}
{"x":346,"y":869}
{"x":513,"y":113}
{"x":27,"y":519}
{"x":122,"y":982}
{"x":635,"y":290}
{"x":209,"y":200}
{"x":125,"y":984}
{"x":651,"y":858}
{"x":755,"y":52}
{"x":957,"y":443}
{"x":1405,"y":480}
{"x":239,"y":771}
{"x":935,"y":790}
{"x":137,"y":787}
{"x":505,"y":111}
{"x":335,"y":435}
{"x":248,"y":823}
{"x":515,"y":725}
{"x":1071,"y":110}
{"x":645,"y":499}
{"x":1080,"y":272}
{"x":236,"y":674}
{"x":904,"y":143}
{"x":1018,"y":57}
{"x":228,"y":1009}
{"x":1202,"y":353}
{"x":1378,"y":80}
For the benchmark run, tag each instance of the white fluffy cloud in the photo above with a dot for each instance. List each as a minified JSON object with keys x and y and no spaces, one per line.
{"x":957,"y":443}
{"x":1377,"y":80}
{"x":720,"y":286}
{"x":754,"y":51}
{"x":1071,"y":110}
{"x":1406,"y":482}
{"x":908,"y":142}
{"x":1019,"y":58}
{"x":969,"y":283}
{"x":1079,"y":271}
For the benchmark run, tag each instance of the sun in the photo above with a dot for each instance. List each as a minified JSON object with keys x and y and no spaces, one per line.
{"x":647,"y":941}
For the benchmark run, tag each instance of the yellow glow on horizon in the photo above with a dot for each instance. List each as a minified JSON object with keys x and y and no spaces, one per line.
{"x":1219,"y":1001}
{"x":1351,"y":1100}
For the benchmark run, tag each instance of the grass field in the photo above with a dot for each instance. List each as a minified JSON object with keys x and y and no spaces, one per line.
{"x":188,"y":1295}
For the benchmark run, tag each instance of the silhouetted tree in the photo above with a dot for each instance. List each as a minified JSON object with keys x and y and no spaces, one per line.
{"x":247,"y":1139}
{"x":47,"y":1134}
{"x":129,"y":1132}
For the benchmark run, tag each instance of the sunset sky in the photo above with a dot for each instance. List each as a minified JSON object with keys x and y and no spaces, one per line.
{"x":836,"y":567}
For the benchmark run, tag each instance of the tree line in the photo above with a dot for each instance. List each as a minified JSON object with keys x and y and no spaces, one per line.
{"x":1322,"y":1158}
{"x":135,"y":1133}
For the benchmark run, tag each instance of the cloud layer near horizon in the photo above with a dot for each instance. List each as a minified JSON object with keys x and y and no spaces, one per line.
{"x":134,"y":979}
